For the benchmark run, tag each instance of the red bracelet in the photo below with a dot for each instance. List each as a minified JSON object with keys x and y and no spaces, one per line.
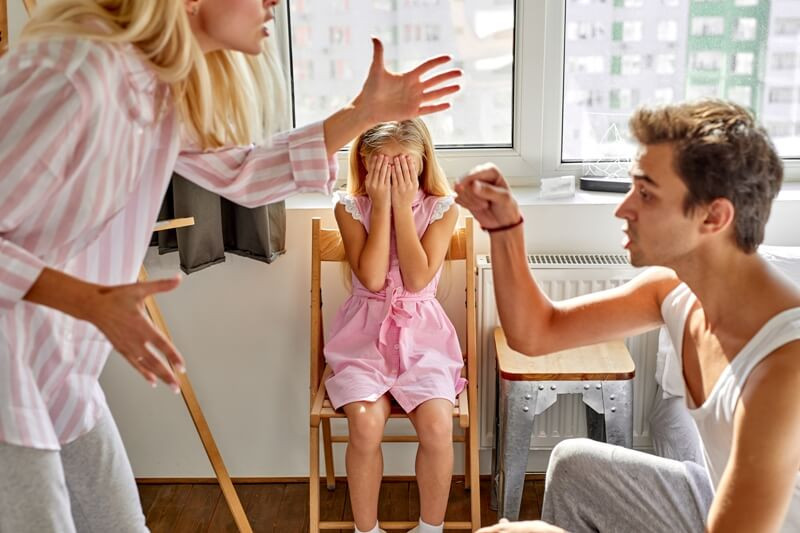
{"x":503,"y":228}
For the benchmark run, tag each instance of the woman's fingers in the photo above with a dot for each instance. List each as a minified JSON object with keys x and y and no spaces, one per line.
{"x":428,"y":109}
{"x":429,"y":64}
{"x":163,"y":345}
{"x":154,"y":364}
{"x":377,"y":55}
{"x":441,"y":78}
{"x":148,"y":288}
{"x":440,"y":93}
{"x":136,"y":363}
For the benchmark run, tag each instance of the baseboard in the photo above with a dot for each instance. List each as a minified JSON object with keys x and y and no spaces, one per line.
{"x":538,"y":476}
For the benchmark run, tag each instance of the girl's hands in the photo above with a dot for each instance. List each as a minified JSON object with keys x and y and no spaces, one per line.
{"x":378,"y":180}
{"x":404,"y":182}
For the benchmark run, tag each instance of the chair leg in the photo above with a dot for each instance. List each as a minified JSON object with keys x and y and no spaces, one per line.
{"x":474,"y":475}
{"x":330,"y":472}
{"x":313,"y":481}
{"x":467,"y":476}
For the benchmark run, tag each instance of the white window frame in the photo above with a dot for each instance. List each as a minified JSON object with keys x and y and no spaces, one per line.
{"x":538,"y":101}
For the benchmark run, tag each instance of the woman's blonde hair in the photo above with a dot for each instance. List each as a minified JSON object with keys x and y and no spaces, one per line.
{"x":413,"y":136}
{"x":223,"y":97}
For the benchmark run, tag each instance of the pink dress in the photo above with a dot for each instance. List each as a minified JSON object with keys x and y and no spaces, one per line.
{"x":394,"y":340}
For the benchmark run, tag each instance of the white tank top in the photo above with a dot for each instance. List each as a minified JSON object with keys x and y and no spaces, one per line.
{"x":714,"y":418}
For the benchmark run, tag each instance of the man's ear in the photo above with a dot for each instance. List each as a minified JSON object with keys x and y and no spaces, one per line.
{"x":719,"y":216}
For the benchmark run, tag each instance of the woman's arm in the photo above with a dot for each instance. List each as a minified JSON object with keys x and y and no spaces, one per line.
{"x":302,"y":160}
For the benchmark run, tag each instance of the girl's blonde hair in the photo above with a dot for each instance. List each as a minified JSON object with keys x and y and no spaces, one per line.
{"x":223,"y":97}
{"x":413,"y":135}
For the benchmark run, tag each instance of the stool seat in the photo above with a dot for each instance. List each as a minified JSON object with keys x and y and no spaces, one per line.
{"x":527,"y":386}
{"x":605,"y":361}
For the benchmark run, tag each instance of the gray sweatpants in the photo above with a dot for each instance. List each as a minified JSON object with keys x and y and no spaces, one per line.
{"x":88,"y":486}
{"x":592,"y":486}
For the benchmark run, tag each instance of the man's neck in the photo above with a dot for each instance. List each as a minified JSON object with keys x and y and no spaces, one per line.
{"x":726,"y":279}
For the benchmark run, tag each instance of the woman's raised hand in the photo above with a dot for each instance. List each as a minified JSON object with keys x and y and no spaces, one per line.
{"x":391,"y":96}
{"x":378,"y":180}
{"x":404,"y":182}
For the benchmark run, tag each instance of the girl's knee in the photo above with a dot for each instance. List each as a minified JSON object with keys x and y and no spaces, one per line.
{"x":366,"y":430}
{"x":435,"y":432}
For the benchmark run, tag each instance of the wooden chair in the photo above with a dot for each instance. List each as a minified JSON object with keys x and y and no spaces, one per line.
{"x":326,"y":245}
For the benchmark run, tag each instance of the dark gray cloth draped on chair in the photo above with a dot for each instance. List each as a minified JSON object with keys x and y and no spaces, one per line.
{"x":219,"y":226}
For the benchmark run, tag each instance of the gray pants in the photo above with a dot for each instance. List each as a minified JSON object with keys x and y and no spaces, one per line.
{"x":593,"y":486}
{"x":88,"y":486}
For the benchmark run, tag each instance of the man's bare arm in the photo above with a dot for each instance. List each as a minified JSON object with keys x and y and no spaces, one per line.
{"x":758,"y":482}
{"x":535,"y":325}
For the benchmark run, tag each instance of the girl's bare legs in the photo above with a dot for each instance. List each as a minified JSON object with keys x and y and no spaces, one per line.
{"x":364,"y":460}
{"x":433,"y":421}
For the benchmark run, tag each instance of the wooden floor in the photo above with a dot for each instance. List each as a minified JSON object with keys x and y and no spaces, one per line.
{"x":283,"y":507}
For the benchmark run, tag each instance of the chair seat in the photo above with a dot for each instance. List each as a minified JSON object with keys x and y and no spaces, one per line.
{"x":396,"y":411}
{"x":606,"y":361}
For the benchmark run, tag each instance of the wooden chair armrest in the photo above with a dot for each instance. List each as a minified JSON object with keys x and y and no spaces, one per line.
{"x":319,"y":397}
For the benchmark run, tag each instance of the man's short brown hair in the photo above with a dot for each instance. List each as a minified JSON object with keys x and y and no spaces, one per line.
{"x":720,"y":152}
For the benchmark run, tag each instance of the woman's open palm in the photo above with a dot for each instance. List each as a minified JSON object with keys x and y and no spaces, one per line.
{"x":395,"y":96}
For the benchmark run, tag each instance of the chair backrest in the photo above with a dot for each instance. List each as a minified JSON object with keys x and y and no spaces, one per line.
{"x":327,"y":246}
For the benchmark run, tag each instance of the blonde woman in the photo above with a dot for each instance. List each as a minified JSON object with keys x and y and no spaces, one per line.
{"x":391,"y":337}
{"x":98,"y":105}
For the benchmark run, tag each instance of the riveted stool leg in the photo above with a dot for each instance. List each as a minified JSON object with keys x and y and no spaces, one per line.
{"x":618,"y":411}
{"x":517,"y":410}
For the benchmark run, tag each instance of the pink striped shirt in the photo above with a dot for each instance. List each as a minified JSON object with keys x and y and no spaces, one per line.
{"x":84,"y":165}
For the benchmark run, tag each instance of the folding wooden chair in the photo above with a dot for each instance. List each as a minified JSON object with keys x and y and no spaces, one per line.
{"x":326,"y":245}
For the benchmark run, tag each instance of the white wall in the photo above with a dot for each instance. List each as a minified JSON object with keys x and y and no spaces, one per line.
{"x":243,"y":327}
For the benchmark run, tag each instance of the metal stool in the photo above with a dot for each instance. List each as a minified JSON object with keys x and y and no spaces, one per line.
{"x":527,"y":386}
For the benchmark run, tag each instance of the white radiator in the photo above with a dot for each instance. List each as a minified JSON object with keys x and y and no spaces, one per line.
{"x":563,"y":276}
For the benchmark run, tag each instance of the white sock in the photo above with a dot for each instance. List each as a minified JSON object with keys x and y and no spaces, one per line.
{"x":427,"y":528}
{"x":375,"y":529}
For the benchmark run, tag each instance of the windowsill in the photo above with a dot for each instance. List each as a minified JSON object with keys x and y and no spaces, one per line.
{"x":528,"y":196}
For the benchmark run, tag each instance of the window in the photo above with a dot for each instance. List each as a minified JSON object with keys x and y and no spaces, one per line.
{"x":745,"y":29}
{"x":742,"y":95}
{"x":742,"y":50}
{"x":787,"y":26}
{"x":632,"y":30}
{"x":665,"y":64}
{"x":784,"y":61}
{"x":331,"y":53}
{"x":781,"y":95}
{"x":562,"y":93}
{"x":743,"y":63}
{"x":707,"y":61}
{"x":668,"y":30}
{"x":708,"y":26}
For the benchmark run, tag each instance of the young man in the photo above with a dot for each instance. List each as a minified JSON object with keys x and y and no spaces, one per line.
{"x":704,"y":181}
